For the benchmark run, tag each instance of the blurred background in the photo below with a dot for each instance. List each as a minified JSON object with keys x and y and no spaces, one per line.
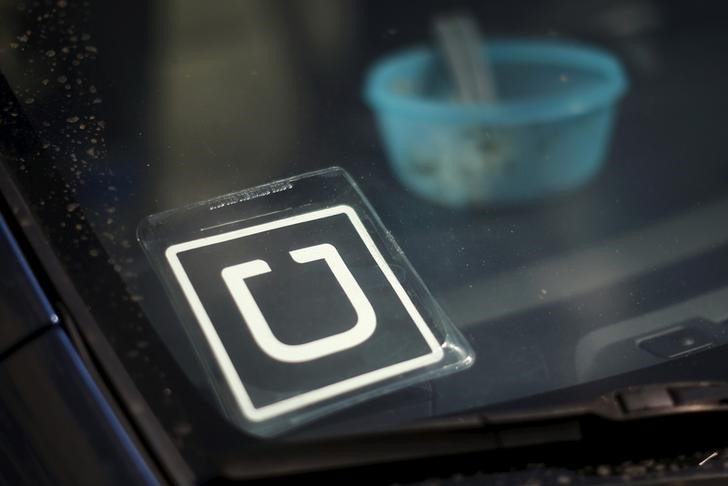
{"x":138,"y":107}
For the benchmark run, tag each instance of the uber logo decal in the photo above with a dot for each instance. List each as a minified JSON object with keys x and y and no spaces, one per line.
{"x":300,"y":310}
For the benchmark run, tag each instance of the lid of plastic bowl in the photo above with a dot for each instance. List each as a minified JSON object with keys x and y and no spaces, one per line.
{"x":602,"y":82}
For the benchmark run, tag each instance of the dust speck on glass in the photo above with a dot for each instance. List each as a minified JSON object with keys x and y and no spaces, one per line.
{"x":552,"y":174}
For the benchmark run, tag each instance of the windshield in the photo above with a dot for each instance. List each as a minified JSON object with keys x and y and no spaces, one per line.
{"x":553,"y":173}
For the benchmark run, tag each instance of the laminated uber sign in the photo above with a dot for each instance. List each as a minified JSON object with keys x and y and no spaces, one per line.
{"x":296,"y":296}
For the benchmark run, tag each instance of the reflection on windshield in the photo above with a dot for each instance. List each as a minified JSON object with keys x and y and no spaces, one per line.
{"x":587,"y":270}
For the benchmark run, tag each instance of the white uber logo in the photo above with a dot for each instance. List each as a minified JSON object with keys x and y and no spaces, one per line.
{"x":366,"y":319}
{"x":239,"y":283}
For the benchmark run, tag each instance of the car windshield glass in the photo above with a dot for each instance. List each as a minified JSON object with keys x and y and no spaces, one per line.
{"x":553,"y":173}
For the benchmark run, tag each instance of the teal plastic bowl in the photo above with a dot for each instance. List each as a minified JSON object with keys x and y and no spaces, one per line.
{"x":548,"y":131}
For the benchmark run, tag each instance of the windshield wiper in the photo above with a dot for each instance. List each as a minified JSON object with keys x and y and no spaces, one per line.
{"x":632,"y":417}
